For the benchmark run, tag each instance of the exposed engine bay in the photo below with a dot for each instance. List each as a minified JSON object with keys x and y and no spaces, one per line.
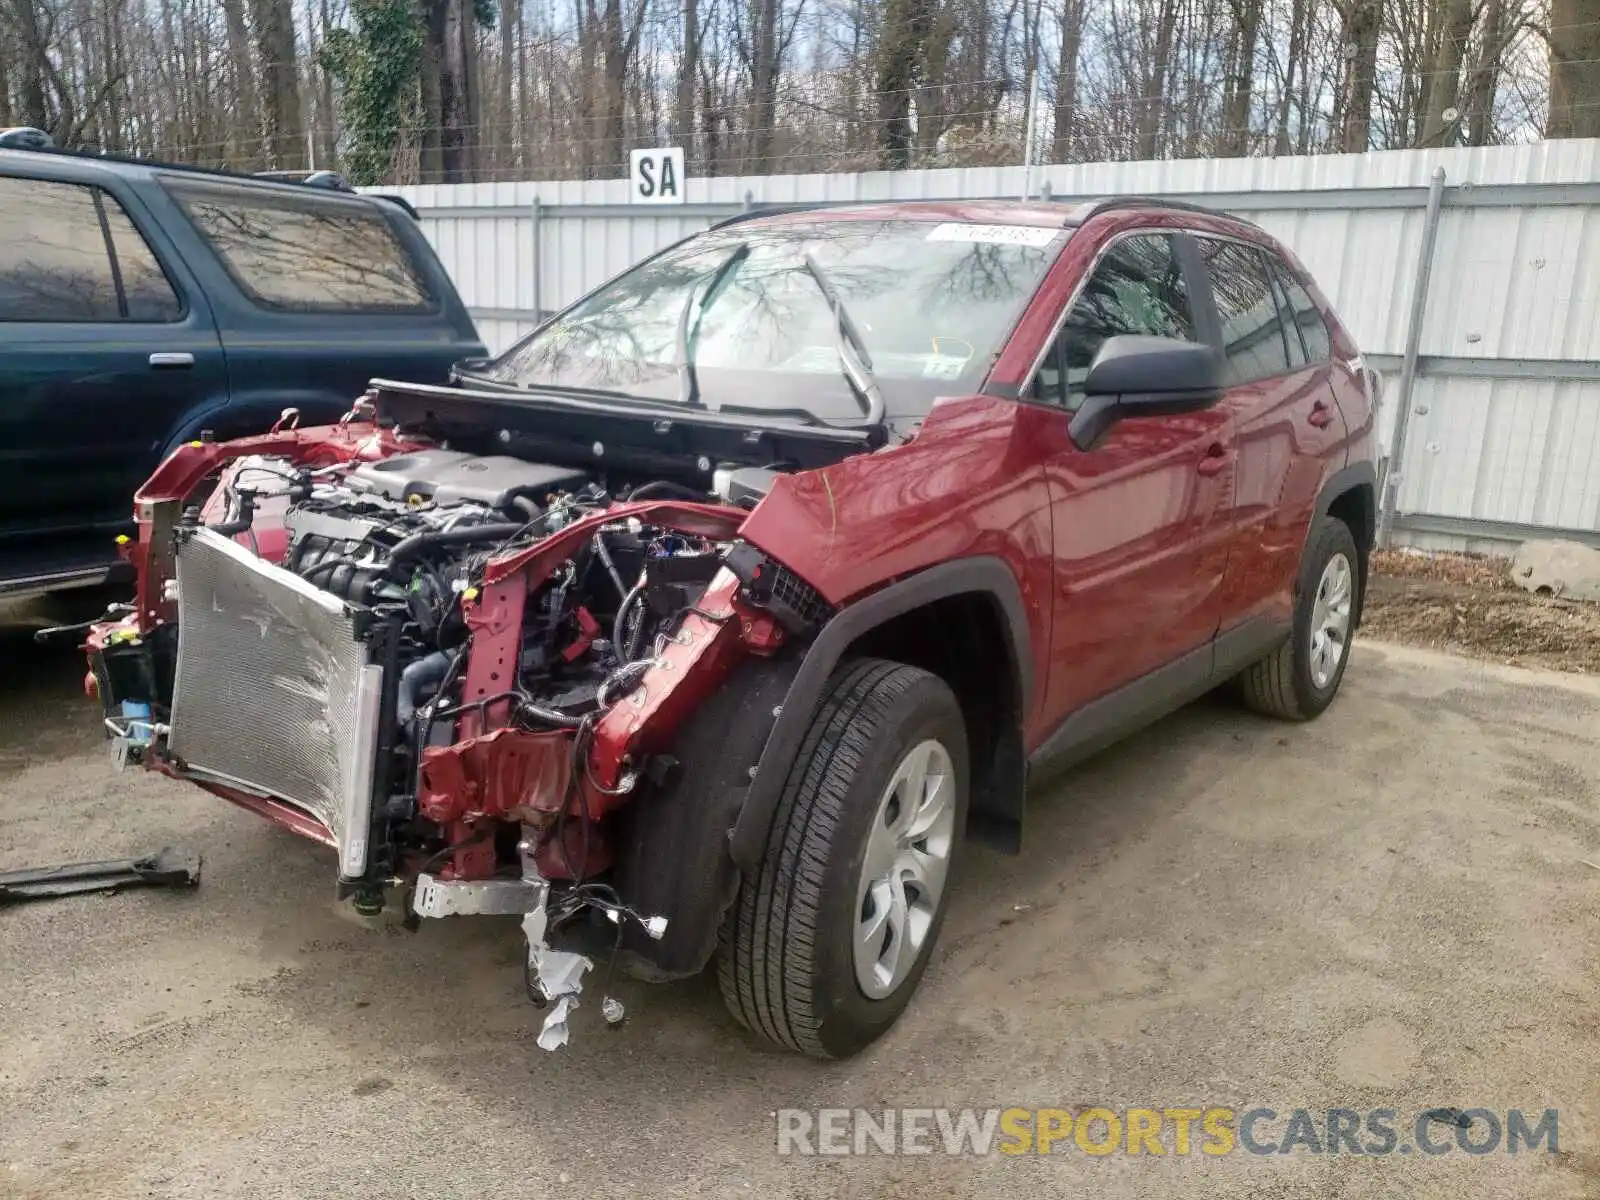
{"x":454,"y":668}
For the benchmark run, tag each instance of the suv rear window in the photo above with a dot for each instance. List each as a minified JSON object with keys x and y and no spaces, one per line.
{"x":305,"y":254}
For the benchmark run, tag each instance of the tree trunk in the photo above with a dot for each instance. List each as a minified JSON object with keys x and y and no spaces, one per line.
{"x":615,"y":54}
{"x":32,"y":107}
{"x":456,"y":130}
{"x":280,"y":84}
{"x":1235,"y":139}
{"x":1298,"y":19}
{"x":763,"y":83}
{"x":1066,"y":109}
{"x":1361,"y":23}
{"x":1574,"y":69}
{"x":1444,"y":80}
{"x":899,"y":64}
{"x":688,"y":72}
{"x":506,"y":119}
{"x":1485,"y":79}
{"x":1155,"y":84}
{"x":245,"y":151}
{"x":5,"y":87}
{"x":431,"y":157}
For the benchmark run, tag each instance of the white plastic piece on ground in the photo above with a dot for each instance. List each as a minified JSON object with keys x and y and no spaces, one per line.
{"x":1570,"y":570}
{"x":559,"y":975}
{"x":555,"y":1033}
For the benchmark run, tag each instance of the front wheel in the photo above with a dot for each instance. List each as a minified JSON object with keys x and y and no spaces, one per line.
{"x":830,"y":935}
{"x":1301,"y":677}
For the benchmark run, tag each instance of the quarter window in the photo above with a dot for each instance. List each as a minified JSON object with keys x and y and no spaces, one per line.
{"x":1303,"y":314}
{"x":1137,"y":287}
{"x":1247,"y":307}
{"x":306,"y":254}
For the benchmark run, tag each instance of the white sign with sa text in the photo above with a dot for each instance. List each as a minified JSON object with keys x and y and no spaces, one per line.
{"x":656,"y":176}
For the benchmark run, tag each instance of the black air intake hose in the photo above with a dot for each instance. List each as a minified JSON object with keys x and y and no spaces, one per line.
{"x":425,"y":673}
{"x":419,"y":544}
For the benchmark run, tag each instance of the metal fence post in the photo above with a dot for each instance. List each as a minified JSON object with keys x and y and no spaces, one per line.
{"x":538,"y":273}
{"x":1408,"y":368}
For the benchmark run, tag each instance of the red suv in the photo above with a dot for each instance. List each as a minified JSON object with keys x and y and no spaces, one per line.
{"x":710,"y":620}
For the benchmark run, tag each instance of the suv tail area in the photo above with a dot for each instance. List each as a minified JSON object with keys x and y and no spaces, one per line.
{"x":142,"y":306}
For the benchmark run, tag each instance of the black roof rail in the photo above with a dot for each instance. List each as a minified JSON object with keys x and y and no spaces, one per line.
{"x":40,"y":142}
{"x":770,"y":210}
{"x":1093,"y":208}
{"x":399,"y":202}
{"x":330,"y":180}
{"x":22,"y":137}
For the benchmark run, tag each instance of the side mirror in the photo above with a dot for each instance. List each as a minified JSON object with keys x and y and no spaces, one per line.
{"x":1136,"y":376}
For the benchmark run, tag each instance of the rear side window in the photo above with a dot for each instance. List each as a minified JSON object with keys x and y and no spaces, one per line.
{"x":145,"y":287}
{"x":306,"y":254}
{"x":56,"y":263}
{"x":1302,"y":314}
{"x":1136,"y":288}
{"x":1252,"y":335}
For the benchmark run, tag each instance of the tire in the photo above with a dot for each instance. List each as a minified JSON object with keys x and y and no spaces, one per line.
{"x":787,"y":962}
{"x":1292,"y":683}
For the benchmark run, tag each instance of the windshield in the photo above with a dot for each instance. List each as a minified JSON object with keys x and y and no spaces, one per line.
{"x":930,"y":304}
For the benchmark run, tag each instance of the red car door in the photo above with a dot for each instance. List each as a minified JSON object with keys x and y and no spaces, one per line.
{"x":1286,"y":422}
{"x":1138,"y":558}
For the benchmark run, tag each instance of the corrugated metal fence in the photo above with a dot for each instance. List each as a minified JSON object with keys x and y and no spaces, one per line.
{"x":1503,"y":440}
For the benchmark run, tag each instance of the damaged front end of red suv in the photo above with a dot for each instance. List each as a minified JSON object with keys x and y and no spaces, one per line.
{"x":455,"y":667}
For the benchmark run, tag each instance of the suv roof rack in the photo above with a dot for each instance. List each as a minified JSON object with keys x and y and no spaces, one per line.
{"x":22,"y":137}
{"x":41,"y":143}
{"x":331,"y":180}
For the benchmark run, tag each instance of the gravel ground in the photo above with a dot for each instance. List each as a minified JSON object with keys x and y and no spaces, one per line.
{"x":1388,"y":907}
{"x":1468,"y":605}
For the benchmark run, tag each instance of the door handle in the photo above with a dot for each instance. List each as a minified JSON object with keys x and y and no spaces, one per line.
{"x":1321,"y":414}
{"x":1216,"y":459}
{"x":172,"y":358}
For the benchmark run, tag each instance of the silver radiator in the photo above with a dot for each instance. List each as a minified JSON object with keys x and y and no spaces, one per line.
{"x":274,"y":692}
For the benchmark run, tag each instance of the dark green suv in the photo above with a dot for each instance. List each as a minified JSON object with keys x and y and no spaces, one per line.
{"x":143,"y":305}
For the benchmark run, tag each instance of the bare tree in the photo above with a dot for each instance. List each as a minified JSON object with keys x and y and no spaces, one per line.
{"x":1574,"y":69}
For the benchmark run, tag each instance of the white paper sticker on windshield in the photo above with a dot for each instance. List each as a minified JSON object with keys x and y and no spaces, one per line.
{"x":1003,"y":235}
{"x":943,"y":366}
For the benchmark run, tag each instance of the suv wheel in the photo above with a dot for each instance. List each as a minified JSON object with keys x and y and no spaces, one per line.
{"x":830,"y":935}
{"x":1301,"y":677}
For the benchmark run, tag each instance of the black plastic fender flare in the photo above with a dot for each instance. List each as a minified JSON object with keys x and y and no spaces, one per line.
{"x":986,"y":575}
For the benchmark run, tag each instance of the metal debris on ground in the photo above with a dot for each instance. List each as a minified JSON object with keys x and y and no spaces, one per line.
{"x":165,"y":868}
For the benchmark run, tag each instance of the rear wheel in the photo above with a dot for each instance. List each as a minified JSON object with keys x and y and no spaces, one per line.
{"x":1301,"y":677}
{"x":829,"y":937}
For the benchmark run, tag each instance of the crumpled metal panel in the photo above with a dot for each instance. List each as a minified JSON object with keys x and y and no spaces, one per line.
{"x":268,"y":690}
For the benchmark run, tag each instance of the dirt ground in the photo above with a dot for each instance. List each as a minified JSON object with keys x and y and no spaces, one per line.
{"x":1468,"y":605}
{"x":1388,"y":907}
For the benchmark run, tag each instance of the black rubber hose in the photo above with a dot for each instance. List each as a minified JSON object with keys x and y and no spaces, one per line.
{"x":619,"y":631}
{"x":666,"y":486}
{"x":604,"y":552}
{"x":427,"y":671}
{"x":420,"y":543}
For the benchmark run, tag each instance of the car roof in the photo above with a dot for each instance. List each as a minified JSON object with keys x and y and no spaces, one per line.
{"x":90,"y":165}
{"x":1046,"y":214}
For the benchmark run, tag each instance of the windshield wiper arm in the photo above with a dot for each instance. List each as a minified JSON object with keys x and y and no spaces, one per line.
{"x":688,"y":380}
{"x":853,"y":356}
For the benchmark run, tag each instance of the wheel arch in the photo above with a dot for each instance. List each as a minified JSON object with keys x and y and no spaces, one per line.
{"x":944,"y":619}
{"x":1351,"y":495}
